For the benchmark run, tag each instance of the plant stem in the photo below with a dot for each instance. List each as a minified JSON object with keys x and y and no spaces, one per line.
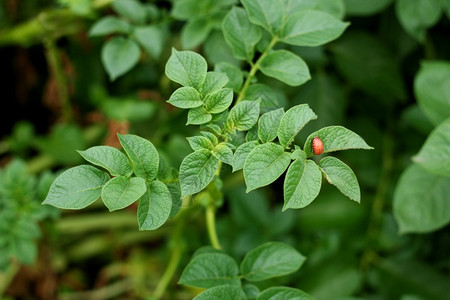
{"x":8,"y":276}
{"x":255,"y":68}
{"x":211,"y":226}
{"x":57,"y":71}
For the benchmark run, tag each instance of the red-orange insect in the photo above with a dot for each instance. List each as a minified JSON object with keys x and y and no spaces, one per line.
{"x":317,"y":145}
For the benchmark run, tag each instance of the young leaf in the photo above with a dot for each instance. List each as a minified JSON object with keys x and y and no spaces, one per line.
{"x":266,"y":13}
{"x":218,"y":101}
{"x":233,"y":73}
{"x":223,"y":153}
{"x":109,"y":25}
{"x":432,"y":89}
{"x":434,"y":156}
{"x":214,"y":81}
{"x":302,"y":184}
{"x":187,"y":68}
{"x":109,"y":158}
{"x":244,"y":115}
{"x":130,"y":9}
{"x":241,"y":154}
{"x":186,"y":97}
{"x":311,"y":28}
{"x":196,"y":171}
{"x":335,"y":138}
{"x":292,"y":122}
{"x":198,"y":116}
{"x":264,"y":164}
{"x":268,"y":125}
{"x":340,"y":175}
{"x":143,"y":155}
{"x":77,"y":187}
{"x":282,"y":293}
{"x":154,"y":206}
{"x":151,"y":39}
{"x":269,"y":260}
{"x":421,"y":201}
{"x":210,"y":137}
{"x":119,"y":55}
{"x":120,"y":192}
{"x":222,"y":292}
{"x":200,"y":142}
{"x":285,"y":66}
{"x":209,"y":270}
{"x":240,"y":34}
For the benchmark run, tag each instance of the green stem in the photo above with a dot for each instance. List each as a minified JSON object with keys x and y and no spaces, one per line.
{"x":254,"y":69}
{"x":56,"y":68}
{"x":211,"y":226}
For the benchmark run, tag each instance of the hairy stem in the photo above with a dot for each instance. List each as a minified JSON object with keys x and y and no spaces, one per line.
{"x":211,"y":226}
{"x":255,"y":68}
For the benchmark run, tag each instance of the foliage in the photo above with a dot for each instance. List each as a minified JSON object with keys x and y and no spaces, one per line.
{"x":221,"y":122}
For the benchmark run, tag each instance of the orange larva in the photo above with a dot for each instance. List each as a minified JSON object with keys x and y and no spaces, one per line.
{"x":317,"y":145}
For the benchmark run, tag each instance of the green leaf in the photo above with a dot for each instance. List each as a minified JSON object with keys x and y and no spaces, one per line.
{"x":130,"y":9}
{"x":187,"y":68}
{"x":234,"y":74}
{"x":187,"y":9}
{"x":218,"y":101}
{"x":222,"y":292}
{"x":223,"y":153}
{"x":240,"y":34}
{"x":244,"y":115}
{"x":311,"y":28}
{"x":417,"y":16}
{"x":294,"y":6}
{"x":131,"y":110}
{"x":270,"y":260}
{"x":186,"y":97}
{"x":109,"y":158}
{"x":151,"y":39}
{"x":143,"y":155}
{"x":198,"y":116}
{"x":335,"y":138}
{"x":292,"y":122}
{"x":77,"y":187}
{"x":282,"y":293}
{"x":285,"y":66}
{"x":264,"y":164}
{"x":214,"y":81}
{"x":154,"y":206}
{"x":365,"y":7}
{"x":266,"y":13}
{"x":434,"y":156}
{"x":268,"y":125}
{"x":269,"y":98}
{"x":340,"y":175}
{"x":421,"y":201}
{"x":209,"y":270}
{"x":200,"y":142}
{"x":195,"y":32}
{"x":196,"y":171}
{"x":432,"y":90}
{"x":210,"y":137}
{"x":120,"y":192}
{"x":109,"y":25}
{"x":336,"y":8}
{"x":302,"y":184}
{"x":119,"y":55}
{"x":241,"y":154}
